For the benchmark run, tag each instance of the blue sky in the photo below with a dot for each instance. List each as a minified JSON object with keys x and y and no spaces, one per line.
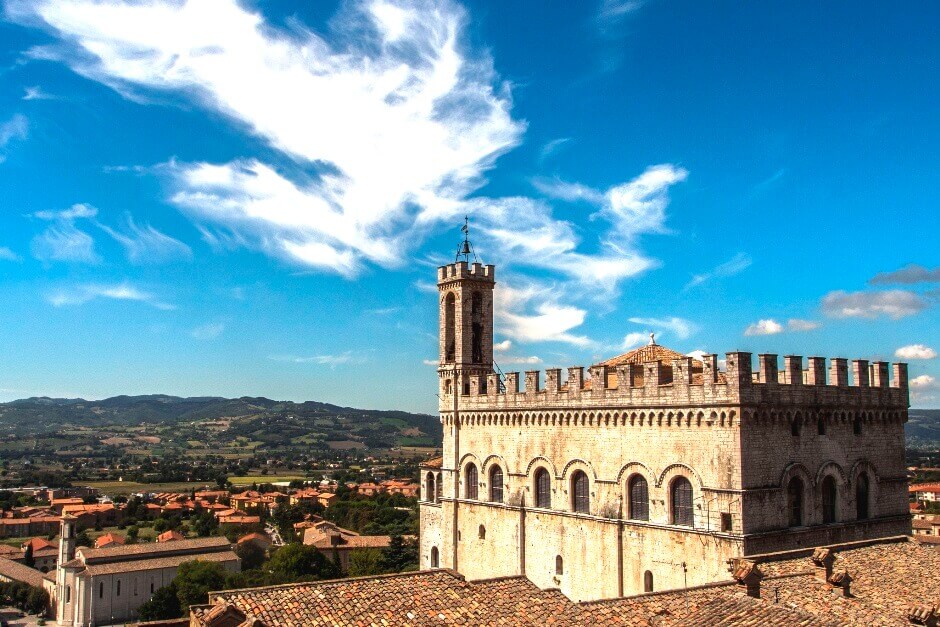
{"x":250,"y":198}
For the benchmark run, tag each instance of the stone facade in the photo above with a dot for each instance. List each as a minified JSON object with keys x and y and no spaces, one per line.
{"x":734,"y":462}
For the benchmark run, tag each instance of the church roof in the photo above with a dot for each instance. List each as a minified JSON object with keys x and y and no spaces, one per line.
{"x":650,"y":352}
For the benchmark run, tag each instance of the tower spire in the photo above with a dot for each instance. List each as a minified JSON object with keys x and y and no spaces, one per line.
{"x":465,"y":249}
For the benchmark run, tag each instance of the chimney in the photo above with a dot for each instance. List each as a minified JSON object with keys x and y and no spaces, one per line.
{"x":823,"y":558}
{"x":842,"y":579}
{"x":747,"y":574}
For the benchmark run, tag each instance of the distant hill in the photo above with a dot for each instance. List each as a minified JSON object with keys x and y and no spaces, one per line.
{"x":923,"y":428}
{"x":261,"y":418}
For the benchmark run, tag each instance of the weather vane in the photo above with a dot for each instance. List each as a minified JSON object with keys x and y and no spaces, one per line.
{"x":465,"y":249}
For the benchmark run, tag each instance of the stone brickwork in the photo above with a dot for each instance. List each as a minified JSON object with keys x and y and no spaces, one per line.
{"x":777,"y":458}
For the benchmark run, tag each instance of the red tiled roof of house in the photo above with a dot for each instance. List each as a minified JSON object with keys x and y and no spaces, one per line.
{"x":170,"y":536}
{"x":109,"y":539}
{"x":924,"y":487}
{"x":38,"y":544}
{"x":436,"y":462}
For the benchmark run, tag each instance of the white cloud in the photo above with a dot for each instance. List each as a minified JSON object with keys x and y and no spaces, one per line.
{"x":640,"y":205}
{"x":393,"y":112}
{"x":915,"y":351}
{"x":36,"y":93}
{"x":923,"y":382}
{"x":894,"y":304}
{"x":764,"y":327}
{"x":910,"y":274}
{"x":530,"y":315}
{"x":552,"y":147}
{"x":208,"y":331}
{"x":431,"y":362}
{"x":632,"y":340}
{"x":76,"y":211}
{"x":81,"y":294}
{"x":147,"y":245}
{"x":569,"y":192}
{"x":64,"y":242}
{"x":735,"y":265}
{"x":8,"y":255}
{"x":796,"y":324}
{"x":520,"y":360}
{"x":16,"y":128}
{"x":680,"y":327}
{"x":325,"y":360}
{"x":502,"y":347}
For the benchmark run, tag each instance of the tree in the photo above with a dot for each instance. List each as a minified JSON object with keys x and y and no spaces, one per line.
{"x":163,"y":605}
{"x":251,"y":554}
{"x":83,"y":539}
{"x":400,"y":555}
{"x":195,"y":579}
{"x":364,"y":562}
{"x":28,"y":559}
{"x":132,"y":532}
{"x":296,"y":562}
{"x":37,"y":600}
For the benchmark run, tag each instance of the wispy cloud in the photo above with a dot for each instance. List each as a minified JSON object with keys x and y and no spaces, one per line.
{"x":610,"y":24}
{"x":8,"y":255}
{"x":907,"y":275}
{"x":36,"y":93}
{"x":14,"y":129}
{"x":796,"y":324}
{"x":632,"y":340}
{"x":62,"y":240}
{"x":735,"y":265}
{"x":893,"y":304}
{"x":680,"y":327}
{"x":76,"y":211}
{"x":208,"y":331}
{"x":513,"y":360}
{"x":766,"y":184}
{"x":764,"y":327}
{"x":551,"y":148}
{"x":81,"y":294}
{"x":147,"y":245}
{"x":502,"y":347}
{"x":915,"y":351}
{"x":332,"y":361}
{"x":400,"y":120}
{"x":385,"y":311}
{"x":530,"y":315}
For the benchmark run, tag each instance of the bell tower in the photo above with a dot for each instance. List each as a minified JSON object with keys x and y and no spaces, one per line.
{"x":465,"y":288}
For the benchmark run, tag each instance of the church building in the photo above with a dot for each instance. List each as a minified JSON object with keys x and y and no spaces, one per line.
{"x":653,"y":469}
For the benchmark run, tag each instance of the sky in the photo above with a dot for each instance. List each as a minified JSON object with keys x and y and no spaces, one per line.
{"x":222,"y":197}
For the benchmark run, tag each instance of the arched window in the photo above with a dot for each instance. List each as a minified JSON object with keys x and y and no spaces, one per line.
{"x":681,"y":499}
{"x":435,"y":558}
{"x":829,"y":496}
{"x":821,"y":426}
{"x":647,"y":581}
{"x":857,"y":425}
{"x":440,"y":488}
{"x":795,"y":428}
{"x":639,"y":493}
{"x":472,"y":482}
{"x":430,"y":488}
{"x":580,"y":491}
{"x":476,"y":327}
{"x":450,"y":348}
{"x":559,"y":565}
{"x":795,"y":502}
{"x":482,"y":532}
{"x":496,"y":484}
{"x":543,"y":488}
{"x":862,"y":485}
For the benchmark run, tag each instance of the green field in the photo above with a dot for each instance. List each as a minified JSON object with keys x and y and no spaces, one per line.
{"x":123,"y":488}
{"x":249,"y":479}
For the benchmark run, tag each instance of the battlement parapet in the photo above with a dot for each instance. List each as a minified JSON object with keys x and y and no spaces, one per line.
{"x":683,"y":381}
{"x":463,"y":270}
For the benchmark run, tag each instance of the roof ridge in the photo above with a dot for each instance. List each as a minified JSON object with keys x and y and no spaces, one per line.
{"x":339,"y":580}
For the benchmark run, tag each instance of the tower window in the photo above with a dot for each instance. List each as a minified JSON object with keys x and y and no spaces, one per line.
{"x":118,"y":587}
{"x":101,"y":590}
{"x":440,"y":488}
{"x":496,"y":484}
{"x":476,"y":327}
{"x":639,"y":498}
{"x":857,"y":426}
{"x":580,"y":489}
{"x":862,"y":486}
{"x":543,"y":489}
{"x":821,"y":426}
{"x":472,"y":480}
{"x":829,"y":496}
{"x":68,"y":594}
{"x":481,"y":532}
{"x":647,"y":581}
{"x":435,"y":558}
{"x":450,"y":322}
{"x":559,"y":565}
{"x":795,"y":502}
{"x":430,"y":488}
{"x":681,"y":501}
{"x":795,"y":428}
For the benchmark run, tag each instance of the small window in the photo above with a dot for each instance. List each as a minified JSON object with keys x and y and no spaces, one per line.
{"x":829,"y":496}
{"x":135,"y":586}
{"x":496,"y":484}
{"x":821,"y":426}
{"x":795,"y":502}
{"x":466,"y":389}
{"x":639,"y":498}
{"x":68,"y":594}
{"x":795,"y":428}
{"x":543,"y":489}
{"x":118,"y":587}
{"x":472,"y":480}
{"x":681,"y":501}
{"x":440,"y":488}
{"x":151,"y":587}
{"x":857,"y":426}
{"x":482,"y":532}
{"x":101,"y":590}
{"x":647,"y":581}
{"x":430,"y":488}
{"x":559,"y":565}
{"x":435,"y":558}
{"x":580,"y":489}
{"x":726,"y":522}
{"x":861,"y":496}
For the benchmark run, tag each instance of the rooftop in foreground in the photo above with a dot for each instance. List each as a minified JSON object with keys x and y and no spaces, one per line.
{"x":889,"y":582}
